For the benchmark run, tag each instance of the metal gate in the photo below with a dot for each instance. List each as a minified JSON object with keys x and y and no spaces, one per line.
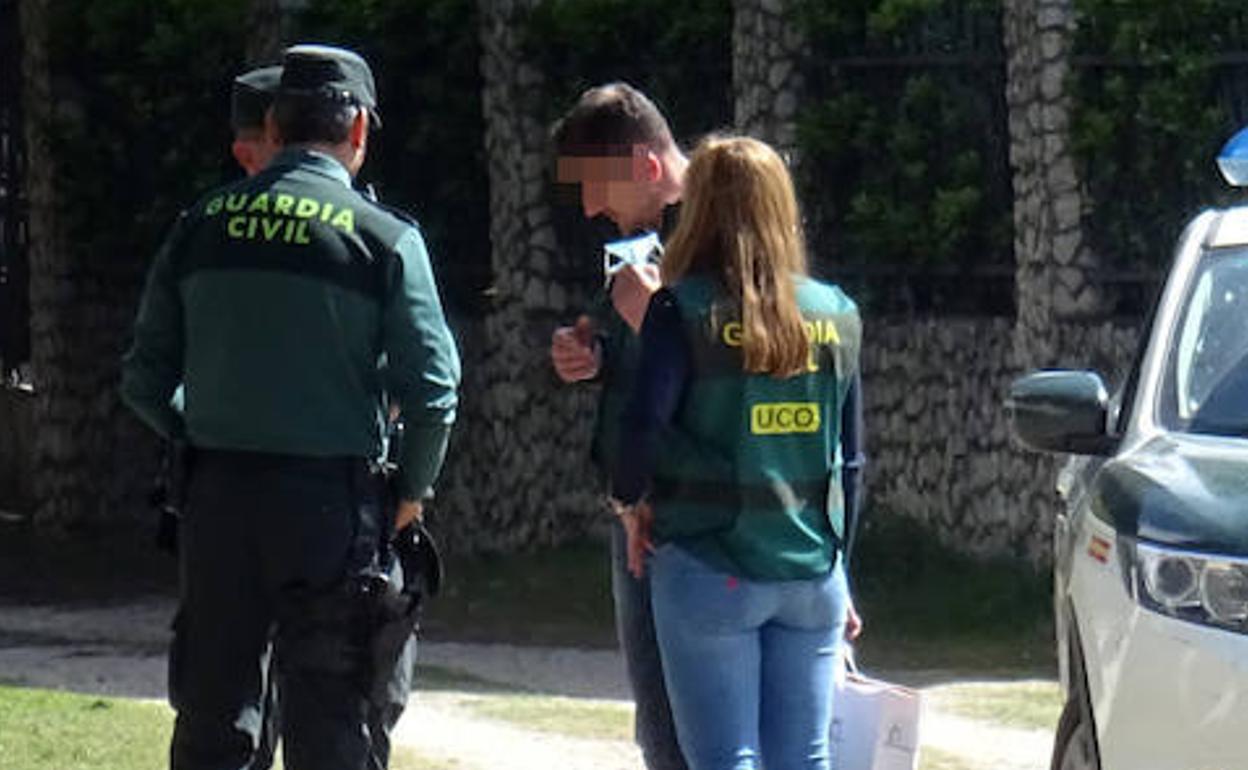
{"x":14,"y":264}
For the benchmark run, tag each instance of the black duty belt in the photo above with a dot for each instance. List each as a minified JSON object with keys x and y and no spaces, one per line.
{"x":234,"y":459}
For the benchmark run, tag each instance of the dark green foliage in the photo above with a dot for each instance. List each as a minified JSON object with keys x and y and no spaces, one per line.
{"x":679,"y":52}
{"x":1155,"y":97}
{"x":150,"y":130}
{"x":886,"y":27}
{"x":905,"y":159}
{"x":428,"y":158}
{"x":136,"y":137}
{"x":900,"y":179}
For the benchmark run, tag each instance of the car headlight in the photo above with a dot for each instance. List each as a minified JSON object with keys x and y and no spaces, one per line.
{"x":1200,"y":588}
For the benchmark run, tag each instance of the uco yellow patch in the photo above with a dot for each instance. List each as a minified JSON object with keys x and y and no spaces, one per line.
{"x":784,"y":417}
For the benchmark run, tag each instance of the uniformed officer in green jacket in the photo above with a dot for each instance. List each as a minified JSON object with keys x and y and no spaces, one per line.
{"x":271,"y":302}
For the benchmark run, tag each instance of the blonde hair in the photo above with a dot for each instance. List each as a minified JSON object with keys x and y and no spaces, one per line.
{"x":739,"y":223}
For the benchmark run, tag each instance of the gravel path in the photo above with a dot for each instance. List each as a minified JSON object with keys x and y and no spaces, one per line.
{"x":438,"y":727}
{"x":990,"y":747}
{"x":119,"y":650}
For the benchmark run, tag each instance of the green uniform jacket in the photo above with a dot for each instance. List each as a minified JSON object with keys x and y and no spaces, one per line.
{"x":748,"y":477}
{"x":272,"y":302}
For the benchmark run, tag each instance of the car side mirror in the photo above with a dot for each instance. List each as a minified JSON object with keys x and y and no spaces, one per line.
{"x":1061,"y":411}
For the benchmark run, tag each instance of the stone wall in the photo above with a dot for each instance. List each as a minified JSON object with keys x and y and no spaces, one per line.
{"x":938,"y":442}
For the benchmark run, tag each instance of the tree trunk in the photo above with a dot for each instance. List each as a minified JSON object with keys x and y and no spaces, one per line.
{"x":267,"y":25}
{"x":14,"y":310}
{"x":768,"y":51}
{"x":1055,"y":270}
{"x":519,"y":467}
{"x":67,"y":377}
{"x":90,"y":457}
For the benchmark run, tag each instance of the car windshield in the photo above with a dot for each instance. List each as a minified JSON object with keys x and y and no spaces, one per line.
{"x":1207,"y":381}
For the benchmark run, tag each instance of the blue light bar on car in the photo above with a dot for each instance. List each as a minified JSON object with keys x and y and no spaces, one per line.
{"x":1233,"y":159}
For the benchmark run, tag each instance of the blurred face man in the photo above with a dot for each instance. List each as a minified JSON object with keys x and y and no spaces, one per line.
{"x":630,"y":189}
{"x":251,"y":98}
{"x":616,"y":147}
{"x":253,"y":149}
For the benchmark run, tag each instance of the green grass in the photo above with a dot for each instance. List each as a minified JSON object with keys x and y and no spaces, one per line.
{"x":1023,"y":705}
{"x":559,"y":597}
{"x":439,"y":679}
{"x":925,"y":607}
{"x":47,"y":730}
{"x":594,"y":720}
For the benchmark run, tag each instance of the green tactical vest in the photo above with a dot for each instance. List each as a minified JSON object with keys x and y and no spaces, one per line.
{"x":748,"y":478}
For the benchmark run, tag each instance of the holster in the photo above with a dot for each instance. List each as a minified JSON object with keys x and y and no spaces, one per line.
{"x":416,"y":573}
{"x":168,"y":495}
{"x":362,"y":624}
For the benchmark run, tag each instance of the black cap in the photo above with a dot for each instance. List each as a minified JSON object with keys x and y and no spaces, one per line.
{"x":252,"y":95}
{"x":334,"y":73}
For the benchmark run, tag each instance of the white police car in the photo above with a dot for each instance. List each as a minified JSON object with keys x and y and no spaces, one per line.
{"x":1151,"y":562}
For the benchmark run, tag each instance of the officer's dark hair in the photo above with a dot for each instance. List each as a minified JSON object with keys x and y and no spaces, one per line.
{"x":610,"y":120}
{"x":311,"y":118}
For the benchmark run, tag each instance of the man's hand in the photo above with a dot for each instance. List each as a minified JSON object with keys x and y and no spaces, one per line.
{"x":637,"y":522}
{"x":574,"y":352}
{"x":409,"y":511}
{"x":853,"y":623}
{"x":631,"y":289}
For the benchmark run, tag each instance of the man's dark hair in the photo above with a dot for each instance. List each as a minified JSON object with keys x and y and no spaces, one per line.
{"x":313,"y":119}
{"x":609,"y":120}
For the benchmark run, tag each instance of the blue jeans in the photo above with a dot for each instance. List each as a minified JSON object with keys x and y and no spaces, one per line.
{"x":634,"y":623}
{"x":749,"y":664}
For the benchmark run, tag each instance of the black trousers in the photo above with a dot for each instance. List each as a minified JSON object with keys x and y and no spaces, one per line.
{"x":267,"y":544}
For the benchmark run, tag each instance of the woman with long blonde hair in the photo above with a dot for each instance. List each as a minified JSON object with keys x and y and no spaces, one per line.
{"x":730,"y":479}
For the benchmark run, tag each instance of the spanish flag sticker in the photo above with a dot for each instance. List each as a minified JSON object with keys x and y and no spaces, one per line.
{"x":1099,"y":548}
